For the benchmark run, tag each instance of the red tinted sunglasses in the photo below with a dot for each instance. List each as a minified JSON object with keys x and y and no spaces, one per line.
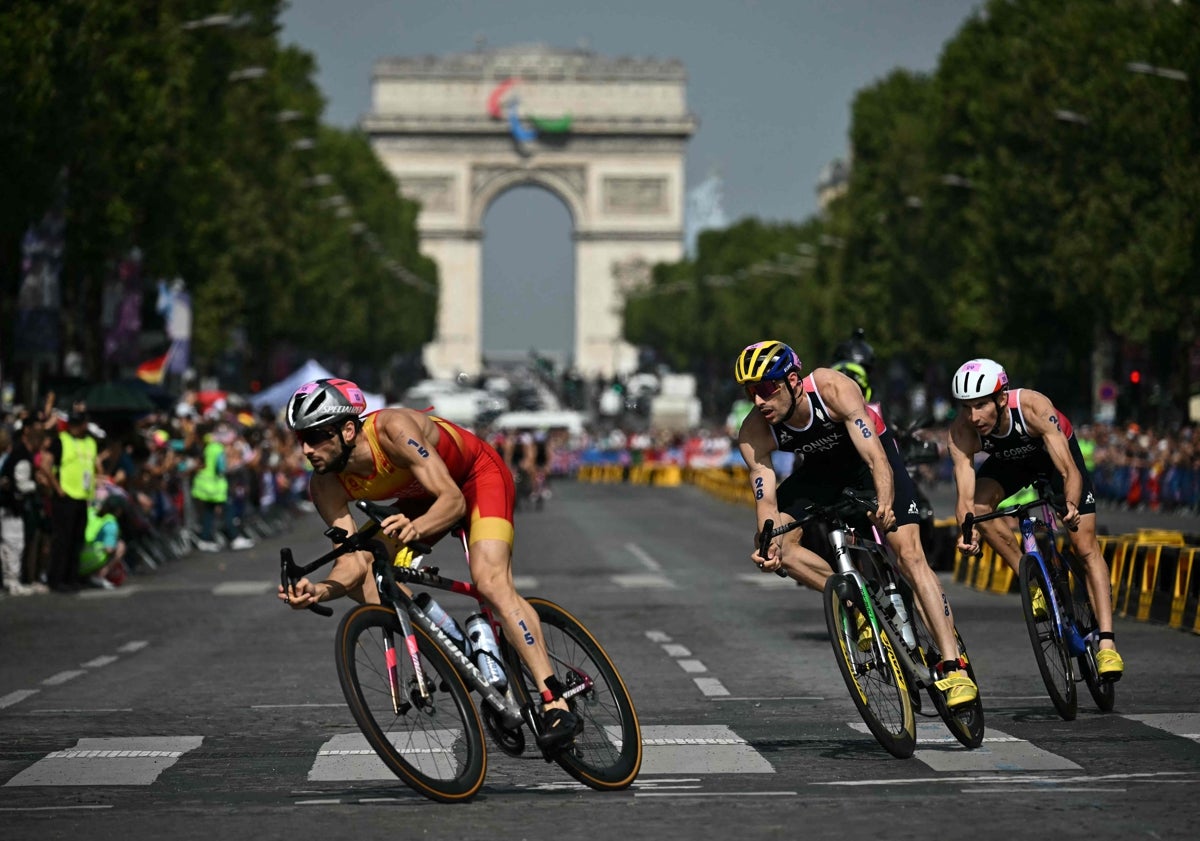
{"x":765,"y":389}
{"x":316,"y":436}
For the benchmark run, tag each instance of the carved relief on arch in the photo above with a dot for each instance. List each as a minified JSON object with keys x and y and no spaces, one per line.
{"x":568,"y":182}
{"x":631,"y":273}
{"x":434,"y":192}
{"x":635,"y":195}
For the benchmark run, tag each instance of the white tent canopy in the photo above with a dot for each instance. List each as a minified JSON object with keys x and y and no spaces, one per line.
{"x":276,"y":396}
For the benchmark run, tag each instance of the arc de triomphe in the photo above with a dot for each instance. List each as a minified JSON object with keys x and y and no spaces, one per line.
{"x":605,"y":135}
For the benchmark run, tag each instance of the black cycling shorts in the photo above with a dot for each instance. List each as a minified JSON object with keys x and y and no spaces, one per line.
{"x":1011,"y":476}
{"x":824,"y":489}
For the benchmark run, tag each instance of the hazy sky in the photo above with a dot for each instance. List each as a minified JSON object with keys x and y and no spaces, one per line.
{"x":771,"y":82}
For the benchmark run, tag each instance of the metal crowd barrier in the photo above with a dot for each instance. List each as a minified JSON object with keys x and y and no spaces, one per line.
{"x":1150,"y":572}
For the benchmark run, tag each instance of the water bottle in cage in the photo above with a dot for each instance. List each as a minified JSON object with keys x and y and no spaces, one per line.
{"x":485,"y":651}
{"x":442,"y":619}
{"x":897,"y":610}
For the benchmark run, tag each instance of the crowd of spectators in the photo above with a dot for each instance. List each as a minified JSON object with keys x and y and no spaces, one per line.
{"x":1146,"y":469}
{"x":87,"y":498}
{"x":1132,"y":467}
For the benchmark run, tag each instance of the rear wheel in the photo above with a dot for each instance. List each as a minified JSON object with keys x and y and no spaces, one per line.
{"x":1103,"y":692}
{"x":874,"y":677}
{"x":1049,"y":647}
{"x":433,"y":740}
{"x":964,"y":721}
{"x":607,"y":755}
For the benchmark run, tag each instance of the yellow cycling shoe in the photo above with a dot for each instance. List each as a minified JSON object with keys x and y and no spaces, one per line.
{"x":1109,"y":664}
{"x":865,"y":633}
{"x":1040,"y":610}
{"x":958,"y":688}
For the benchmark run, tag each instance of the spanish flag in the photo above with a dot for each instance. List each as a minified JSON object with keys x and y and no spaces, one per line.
{"x":152,"y":372}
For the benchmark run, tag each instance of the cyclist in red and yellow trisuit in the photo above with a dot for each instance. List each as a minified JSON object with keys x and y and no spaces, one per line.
{"x":438,"y":474}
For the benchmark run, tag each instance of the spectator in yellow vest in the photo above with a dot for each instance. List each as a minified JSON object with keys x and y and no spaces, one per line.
{"x":74,"y":468}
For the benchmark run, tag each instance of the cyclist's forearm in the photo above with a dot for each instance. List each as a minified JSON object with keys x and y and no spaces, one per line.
{"x":346,"y":578}
{"x":444,"y":513}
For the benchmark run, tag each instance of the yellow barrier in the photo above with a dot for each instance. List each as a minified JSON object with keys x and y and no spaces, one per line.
{"x":1150,"y":566}
{"x":1182,"y":588}
{"x":1002,"y":576}
{"x":1164,"y":536}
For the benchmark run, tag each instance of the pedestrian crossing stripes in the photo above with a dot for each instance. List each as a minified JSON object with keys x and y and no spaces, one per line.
{"x":128,"y":761}
{"x":669,"y":753}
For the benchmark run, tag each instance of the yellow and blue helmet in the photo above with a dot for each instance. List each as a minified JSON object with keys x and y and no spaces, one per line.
{"x":765,"y":360}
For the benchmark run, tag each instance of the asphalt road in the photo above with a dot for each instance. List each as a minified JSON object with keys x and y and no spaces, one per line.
{"x":190,"y":704}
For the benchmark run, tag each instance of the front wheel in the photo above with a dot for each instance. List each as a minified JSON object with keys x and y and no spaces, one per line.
{"x":874,"y":677}
{"x":607,"y":755}
{"x":1049,"y":644}
{"x":433,"y":740}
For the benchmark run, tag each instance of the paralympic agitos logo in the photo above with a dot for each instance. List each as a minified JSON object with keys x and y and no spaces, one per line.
{"x":504,"y":104}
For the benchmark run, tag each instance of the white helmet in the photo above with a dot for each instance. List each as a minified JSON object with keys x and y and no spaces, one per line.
{"x":979,"y":378}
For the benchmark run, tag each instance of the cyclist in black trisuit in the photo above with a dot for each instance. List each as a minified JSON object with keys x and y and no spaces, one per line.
{"x":839,"y":442}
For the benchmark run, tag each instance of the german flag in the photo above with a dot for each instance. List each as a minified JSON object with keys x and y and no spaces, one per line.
{"x":154,"y":370}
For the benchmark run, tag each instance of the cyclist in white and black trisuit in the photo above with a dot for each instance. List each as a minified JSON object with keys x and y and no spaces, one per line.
{"x":1025,"y":439}
{"x":838,"y":442}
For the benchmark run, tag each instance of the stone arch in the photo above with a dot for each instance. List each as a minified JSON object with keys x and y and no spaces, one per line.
{"x":497,"y":181}
{"x":610,"y":145}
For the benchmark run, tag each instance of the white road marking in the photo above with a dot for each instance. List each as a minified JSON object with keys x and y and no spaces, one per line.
{"x":715,"y":794}
{"x":1185,"y":725}
{"x":641,"y":554}
{"x":697,"y":749}
{"x":692,"y":666}
{"x":127,"y":761}
{"x":643,"y":581}
{"x":101,"y":661}
{"x":710,"y":686}
{"x":63,"y":677}
{"x":348,"y":756}
{"x":291,"y":706}
{"x":245,"y":588}
{"x":999,"y":752}
{"x":763,"y":579}
{"x":770,"y":698}
{"x":131,"y":647}
{"x":16,"y":697}
{"x":1029,"y":779}
{"x":676,"y":650}
{"x":51,"y":808}
{"x":657,"y":636}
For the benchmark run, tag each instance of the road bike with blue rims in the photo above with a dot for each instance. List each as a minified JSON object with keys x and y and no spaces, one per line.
{"x":408,"y":684}
{"x":1058,"y":613}
{"x":883,"y":646}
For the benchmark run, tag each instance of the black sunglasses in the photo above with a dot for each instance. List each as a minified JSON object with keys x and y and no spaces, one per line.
{"x":315,"y":436}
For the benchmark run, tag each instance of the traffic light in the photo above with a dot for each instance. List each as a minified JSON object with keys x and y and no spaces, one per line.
{"x":1135,"y":377}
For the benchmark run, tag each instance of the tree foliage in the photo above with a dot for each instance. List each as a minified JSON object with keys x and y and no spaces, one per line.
{"x":1033,"y":199}
{"x":192,"y":134}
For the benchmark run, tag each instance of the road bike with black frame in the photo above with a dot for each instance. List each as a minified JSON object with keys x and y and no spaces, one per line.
{"x":408,"y":684}
{"x":1066,"y":639}
{"x":885,"y":676}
